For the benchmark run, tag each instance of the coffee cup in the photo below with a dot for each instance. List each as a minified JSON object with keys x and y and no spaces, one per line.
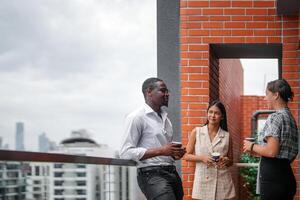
{"x":177,"y":143}
{"x":215,"y":156}
{"x":250,"y":139}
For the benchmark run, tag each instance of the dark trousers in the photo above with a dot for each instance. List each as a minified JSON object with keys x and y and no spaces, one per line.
{"x":160,"y":183}
{"x":277,"y":181}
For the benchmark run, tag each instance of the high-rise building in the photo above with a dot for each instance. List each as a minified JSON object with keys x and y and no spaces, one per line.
{"x":44,"y":143}
{"x":20,"y":136}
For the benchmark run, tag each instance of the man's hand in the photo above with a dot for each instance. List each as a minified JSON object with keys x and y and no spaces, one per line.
{"x":174,"y":150}
{"x":180,"y":153}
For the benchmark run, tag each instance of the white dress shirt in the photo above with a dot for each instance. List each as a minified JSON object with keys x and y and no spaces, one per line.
{"x":144,"y":129}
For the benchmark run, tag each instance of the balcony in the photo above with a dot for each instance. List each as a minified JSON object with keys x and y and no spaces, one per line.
{"x":71,"y":177}
{"x":104,"y":178}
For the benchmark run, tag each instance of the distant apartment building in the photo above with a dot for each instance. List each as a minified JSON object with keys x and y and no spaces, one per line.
{"x":20,"y":136}
{"x":37,"y":182}
{"x":12,"y":181}
{"x":89,"y":182}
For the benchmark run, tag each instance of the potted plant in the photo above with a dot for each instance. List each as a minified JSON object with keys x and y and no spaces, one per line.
{"x":249,"y":175}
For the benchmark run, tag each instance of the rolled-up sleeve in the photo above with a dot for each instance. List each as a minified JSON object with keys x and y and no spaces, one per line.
{"x":133,"y":132}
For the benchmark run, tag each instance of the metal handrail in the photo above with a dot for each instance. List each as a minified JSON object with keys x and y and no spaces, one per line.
{"x":255,"y":117}
{"x":8,"y":155}
{"x":246,"y":164}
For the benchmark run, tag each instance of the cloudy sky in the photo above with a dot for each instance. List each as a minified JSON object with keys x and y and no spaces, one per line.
{"x":257,"y":73}
{"x":73,"y":64}
{"x":77,"y":64}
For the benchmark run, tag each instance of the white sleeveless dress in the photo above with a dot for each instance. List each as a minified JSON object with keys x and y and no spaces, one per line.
{"x":211,"y":183}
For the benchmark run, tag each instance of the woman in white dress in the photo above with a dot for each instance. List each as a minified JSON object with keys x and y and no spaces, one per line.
{"x":212,"y":180}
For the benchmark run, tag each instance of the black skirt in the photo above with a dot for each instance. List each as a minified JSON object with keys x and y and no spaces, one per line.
{"x":277,"y":180}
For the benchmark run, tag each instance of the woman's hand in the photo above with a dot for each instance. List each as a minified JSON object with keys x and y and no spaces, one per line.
{"x":223,"y":163}
{"x":206,"y":159}
{"x":247,"y":146}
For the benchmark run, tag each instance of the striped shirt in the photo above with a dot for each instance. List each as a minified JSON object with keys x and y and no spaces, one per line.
{"x":282,"y":125}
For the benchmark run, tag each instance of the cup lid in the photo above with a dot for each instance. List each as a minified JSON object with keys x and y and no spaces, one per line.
{"x":215,"y":154}
{"x":174,"y":142}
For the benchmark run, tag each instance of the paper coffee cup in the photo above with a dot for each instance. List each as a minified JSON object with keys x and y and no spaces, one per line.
{"x":216,"y":156}
{"x":178,"y":143}
{"x":250,"y":139}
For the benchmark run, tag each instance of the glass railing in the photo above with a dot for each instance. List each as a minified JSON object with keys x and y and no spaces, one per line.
{"x":51,"y":176}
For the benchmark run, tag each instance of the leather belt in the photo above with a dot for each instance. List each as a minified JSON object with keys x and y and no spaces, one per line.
{"x":168,"y":168}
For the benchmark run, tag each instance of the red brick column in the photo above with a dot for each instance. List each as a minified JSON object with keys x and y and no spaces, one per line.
{"x":210,"y":21}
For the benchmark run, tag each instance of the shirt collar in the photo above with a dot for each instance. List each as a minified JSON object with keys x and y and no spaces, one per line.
{"x":148,"y":109}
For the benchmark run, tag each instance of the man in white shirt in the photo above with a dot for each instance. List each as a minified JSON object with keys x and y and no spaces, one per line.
{"x":148,"y":141}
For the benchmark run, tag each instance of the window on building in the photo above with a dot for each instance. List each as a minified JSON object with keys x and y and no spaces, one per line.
{"x":58,"y":183}
{"x":37,"y":189}
{"x":58,"y":192}
{"x":81,"y":174}
{"x":37,"y":170}
{"x":80,"y":183}
{"x":58,"y":174}
{"x":58,"y":165}
{"x":81,"y":166}
{"x":12,"y":166}
{"x":81,"y":192}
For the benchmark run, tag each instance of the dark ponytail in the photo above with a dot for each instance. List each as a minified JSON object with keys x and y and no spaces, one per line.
{"x":283,"y":88}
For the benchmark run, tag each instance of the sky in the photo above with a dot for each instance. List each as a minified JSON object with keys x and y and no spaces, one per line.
{"x":69,"y":65}
{"x":257,"y":73}
{"x":79,"y":64}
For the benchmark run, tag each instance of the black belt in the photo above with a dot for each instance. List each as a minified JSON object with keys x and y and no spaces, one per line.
{"x":168,"y":168}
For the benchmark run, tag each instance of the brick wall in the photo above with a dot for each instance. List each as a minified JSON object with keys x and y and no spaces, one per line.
{"x":231,"y":89}
{"x":204,"y":22}
{"x":249,"y":105}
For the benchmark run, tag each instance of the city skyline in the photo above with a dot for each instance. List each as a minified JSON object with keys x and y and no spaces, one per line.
{"x":49,"y":181}
{"x":45,"y":144}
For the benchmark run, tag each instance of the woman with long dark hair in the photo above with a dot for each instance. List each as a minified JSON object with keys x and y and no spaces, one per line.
{"x":210,"y":148}
{"x":278,"y":145}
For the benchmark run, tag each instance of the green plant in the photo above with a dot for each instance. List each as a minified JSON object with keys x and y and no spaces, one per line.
{"x":249,"y":175}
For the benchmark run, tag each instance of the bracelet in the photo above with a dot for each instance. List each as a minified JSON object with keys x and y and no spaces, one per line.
{"x":252,"y":145}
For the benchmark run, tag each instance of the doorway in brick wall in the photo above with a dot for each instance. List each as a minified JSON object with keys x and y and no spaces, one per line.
{"x":238,"y":74}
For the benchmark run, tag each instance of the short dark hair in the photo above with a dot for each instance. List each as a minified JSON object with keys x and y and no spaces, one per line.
{"x":150,"y":83}
{"x":282,"y":87}
{"x":220,"y":105}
